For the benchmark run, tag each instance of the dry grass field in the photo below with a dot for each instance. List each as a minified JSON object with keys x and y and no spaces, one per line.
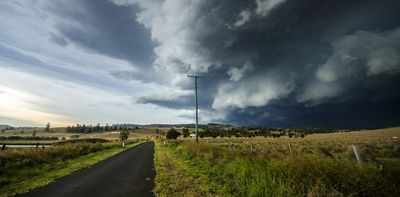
{"x":316,"y":165}
{"x":60,"y":133}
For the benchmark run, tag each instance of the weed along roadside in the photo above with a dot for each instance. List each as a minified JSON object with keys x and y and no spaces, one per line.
{"x":23,"y":169}
{"x":222,"y":167}
{"x":175,"y":176}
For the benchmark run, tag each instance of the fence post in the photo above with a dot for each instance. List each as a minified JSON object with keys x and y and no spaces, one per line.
{"x":4,"y":147}
{"x":356,"y":151}
{"x":290,"y":149}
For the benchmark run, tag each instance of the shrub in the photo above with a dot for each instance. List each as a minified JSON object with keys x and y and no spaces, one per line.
{"x":123,"y":135}
{"x":173,"y":134}
{"x":185,"y":132}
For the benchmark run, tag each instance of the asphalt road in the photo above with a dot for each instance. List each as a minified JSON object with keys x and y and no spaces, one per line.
{"x":129,"y":173}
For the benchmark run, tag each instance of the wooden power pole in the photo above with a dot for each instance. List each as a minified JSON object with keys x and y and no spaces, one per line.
{"x":197,"y":105}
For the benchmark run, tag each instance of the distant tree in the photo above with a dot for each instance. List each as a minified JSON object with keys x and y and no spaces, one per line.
{"x":185,"y":132}
{"x":97,"y":128}
{"x":83,"y":129}
{"x":47,"y":127}
{"x":173,"y":134}
{"x":34,"y":133}
{"x":158,"y":132}
{"x":89,"y":129}
{"x":107,"y":128}
{"x":123,"y":135}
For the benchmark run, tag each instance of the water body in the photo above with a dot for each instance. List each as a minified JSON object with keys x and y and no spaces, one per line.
{"x":27,"y":146}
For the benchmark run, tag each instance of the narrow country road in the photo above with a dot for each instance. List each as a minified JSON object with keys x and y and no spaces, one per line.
{"x":129,"y":173}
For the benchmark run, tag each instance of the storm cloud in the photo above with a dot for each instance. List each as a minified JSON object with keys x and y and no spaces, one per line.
{"x":102,"y":27}
{"x":277,"y":59}
{"x":265,"y":62}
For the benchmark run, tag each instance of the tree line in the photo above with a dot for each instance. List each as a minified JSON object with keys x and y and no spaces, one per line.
{"x":236,"y":132}
{"x":98,"y":128}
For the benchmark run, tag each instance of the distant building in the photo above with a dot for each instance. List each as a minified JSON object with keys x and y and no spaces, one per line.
{"x":192,"y":135}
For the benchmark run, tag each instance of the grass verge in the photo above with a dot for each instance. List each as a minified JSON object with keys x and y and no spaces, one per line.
{"x":23,"y":178}
{"x":183,"y":168}
{"x":176,"y":177}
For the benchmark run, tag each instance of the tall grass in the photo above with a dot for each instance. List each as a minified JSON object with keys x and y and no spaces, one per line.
{"x":17,"y":158}
{"x":22,"y":169}
{"x":314,"y":168}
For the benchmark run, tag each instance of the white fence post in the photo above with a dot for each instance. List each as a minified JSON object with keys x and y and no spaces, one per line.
{"x":356,"y":151}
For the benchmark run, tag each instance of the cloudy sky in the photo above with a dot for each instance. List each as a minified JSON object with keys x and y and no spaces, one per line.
{"x":280,"y":63}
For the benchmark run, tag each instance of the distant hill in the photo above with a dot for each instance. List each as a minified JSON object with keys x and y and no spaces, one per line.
{"x":177,"y":125}
{"x":164,"y":125}
{"x":4,"y":126}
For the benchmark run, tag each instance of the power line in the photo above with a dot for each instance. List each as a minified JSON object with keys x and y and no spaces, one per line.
{"x":197,"y":105}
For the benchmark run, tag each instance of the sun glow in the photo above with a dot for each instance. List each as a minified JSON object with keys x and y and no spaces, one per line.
{"x":19,"y":105}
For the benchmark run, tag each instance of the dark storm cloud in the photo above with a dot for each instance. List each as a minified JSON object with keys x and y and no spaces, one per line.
{"x":327,"y":63}
{"x":354,"y":113}
{"x":58,"y":40}
{"x":103,"y":27}
{"x":179,"y":102}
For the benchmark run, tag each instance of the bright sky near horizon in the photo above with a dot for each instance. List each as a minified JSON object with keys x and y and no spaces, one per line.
{"x":278,"y":63}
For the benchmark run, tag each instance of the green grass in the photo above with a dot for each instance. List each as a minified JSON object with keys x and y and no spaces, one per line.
{"x":176,"y":177}
{"x":25,"y":169}
{"x":314,"y":169}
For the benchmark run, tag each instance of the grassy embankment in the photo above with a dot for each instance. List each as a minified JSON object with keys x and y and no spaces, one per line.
{"x":24,"y":169}
{"x":176,"y":177}
{"x":318,"y":165}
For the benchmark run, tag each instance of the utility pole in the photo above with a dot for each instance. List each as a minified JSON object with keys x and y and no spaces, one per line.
{"x":197,"y":105}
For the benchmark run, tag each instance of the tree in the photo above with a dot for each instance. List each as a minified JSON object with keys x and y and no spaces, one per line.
{"x":158,"y":132}
{"x":83,"y":129}
{"x":185,"y":132}
{"x":47,"y":127}
{"x":107,"y":128}
{"x":34,"y":133}
{"x":123,"y":135}
{"x":173,"y":134}
{"x":98,"y":127}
